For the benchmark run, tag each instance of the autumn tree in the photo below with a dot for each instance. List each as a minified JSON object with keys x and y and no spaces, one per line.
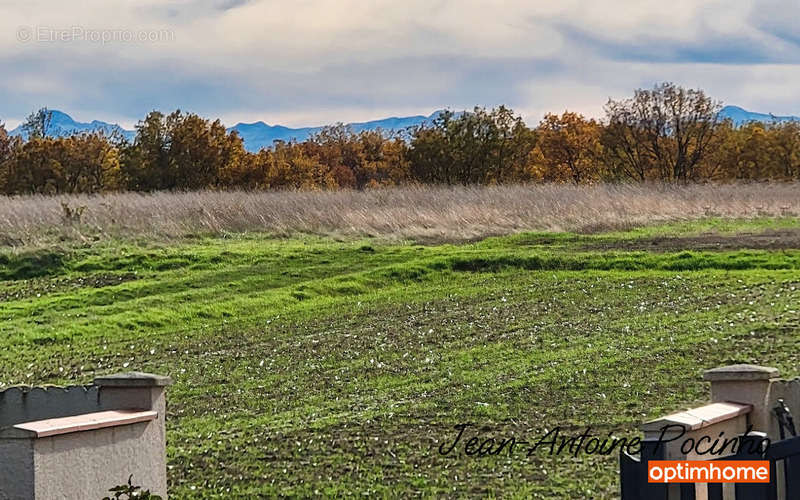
{"x":9,"y":147}
{"x":180,"y":151}
{"x":249,"y":172}
{"x":745,"y":153}
{"x":666,"y":134}
{"x":661,"y":134}
{"x":38,"y":167}
{"x":38,"y":124}
{"x":721,"y":163}
{"x":339,"y":153}
{"x":370,"y":158}
{"x":289,"y":166}
{"x":200,"y":150}
{"x":91,"y":164}
{"x":6,"y":149}
{"x":756,"y":151}
{"x":570,"y":148}
{"x":511,"y":148}
{"x":785,"y":142}
{"x":469,"y":148}
{"x":81,"y":163}
{"x":146,"y":162}
{"x":385,"y":160}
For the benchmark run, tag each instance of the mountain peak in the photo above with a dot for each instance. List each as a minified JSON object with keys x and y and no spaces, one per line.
{"x":731,"y":108}
{"x":740,"y":116}
{"x":62,"y":124}
{"x":59,"y":115}
{"x":260,"y":135}
{"x":253,"y":124}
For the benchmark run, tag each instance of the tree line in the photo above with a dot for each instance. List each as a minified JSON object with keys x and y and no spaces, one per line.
{"x":667,"y":133}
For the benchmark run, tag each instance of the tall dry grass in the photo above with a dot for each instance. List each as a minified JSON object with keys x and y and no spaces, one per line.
{"x":421,"y":213}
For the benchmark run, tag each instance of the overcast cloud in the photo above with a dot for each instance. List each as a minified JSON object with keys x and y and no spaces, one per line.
{"x":308,"y":62}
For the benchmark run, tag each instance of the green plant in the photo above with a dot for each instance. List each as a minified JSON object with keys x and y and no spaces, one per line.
{"x":128,"y":491}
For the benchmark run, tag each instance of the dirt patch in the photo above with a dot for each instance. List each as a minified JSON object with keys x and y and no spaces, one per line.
{"x":786,"y":239}
{"x":40,"y":287}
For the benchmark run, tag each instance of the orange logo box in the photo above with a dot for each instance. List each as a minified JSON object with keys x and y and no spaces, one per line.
{"x":703,"y":471}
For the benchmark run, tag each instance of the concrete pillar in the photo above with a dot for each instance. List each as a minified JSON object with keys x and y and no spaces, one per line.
{"x":134,"y":390}
{"x":83,"y":462}
{"x":746,"y":384}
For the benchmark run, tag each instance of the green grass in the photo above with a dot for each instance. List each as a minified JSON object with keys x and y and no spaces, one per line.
{"x":309,"y":367}
{"x":722,"y":225}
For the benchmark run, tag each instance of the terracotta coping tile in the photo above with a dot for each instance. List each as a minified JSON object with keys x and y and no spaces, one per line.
{"x":698,"y":418}
{"x":86,"y":422}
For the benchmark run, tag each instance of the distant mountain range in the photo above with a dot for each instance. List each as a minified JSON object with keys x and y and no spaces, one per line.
{"x":255,"y":135}
{"x":259,"y":135}
{"x":741,"y":116}
{"x":61,"y":124}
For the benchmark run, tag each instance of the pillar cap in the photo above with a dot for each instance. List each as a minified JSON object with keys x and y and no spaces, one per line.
{"x":699,"y":418}
{"x":133,"y":379}
{"x":742,"y":372}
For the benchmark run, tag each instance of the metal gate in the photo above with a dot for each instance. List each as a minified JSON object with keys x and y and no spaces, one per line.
{"x":783,"y":457}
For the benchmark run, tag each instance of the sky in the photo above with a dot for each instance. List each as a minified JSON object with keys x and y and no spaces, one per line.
{"x":313,"y":62}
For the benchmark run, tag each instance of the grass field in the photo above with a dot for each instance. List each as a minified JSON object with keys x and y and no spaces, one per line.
{"x":309,"y":366}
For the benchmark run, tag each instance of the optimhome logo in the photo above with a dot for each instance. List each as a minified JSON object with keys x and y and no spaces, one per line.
{"x":700,"y":471}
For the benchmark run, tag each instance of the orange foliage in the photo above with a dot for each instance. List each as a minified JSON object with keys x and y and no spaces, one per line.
{"x":667,"y":134}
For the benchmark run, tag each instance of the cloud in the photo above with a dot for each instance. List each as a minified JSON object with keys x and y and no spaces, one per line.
{"x":312,"y":61}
